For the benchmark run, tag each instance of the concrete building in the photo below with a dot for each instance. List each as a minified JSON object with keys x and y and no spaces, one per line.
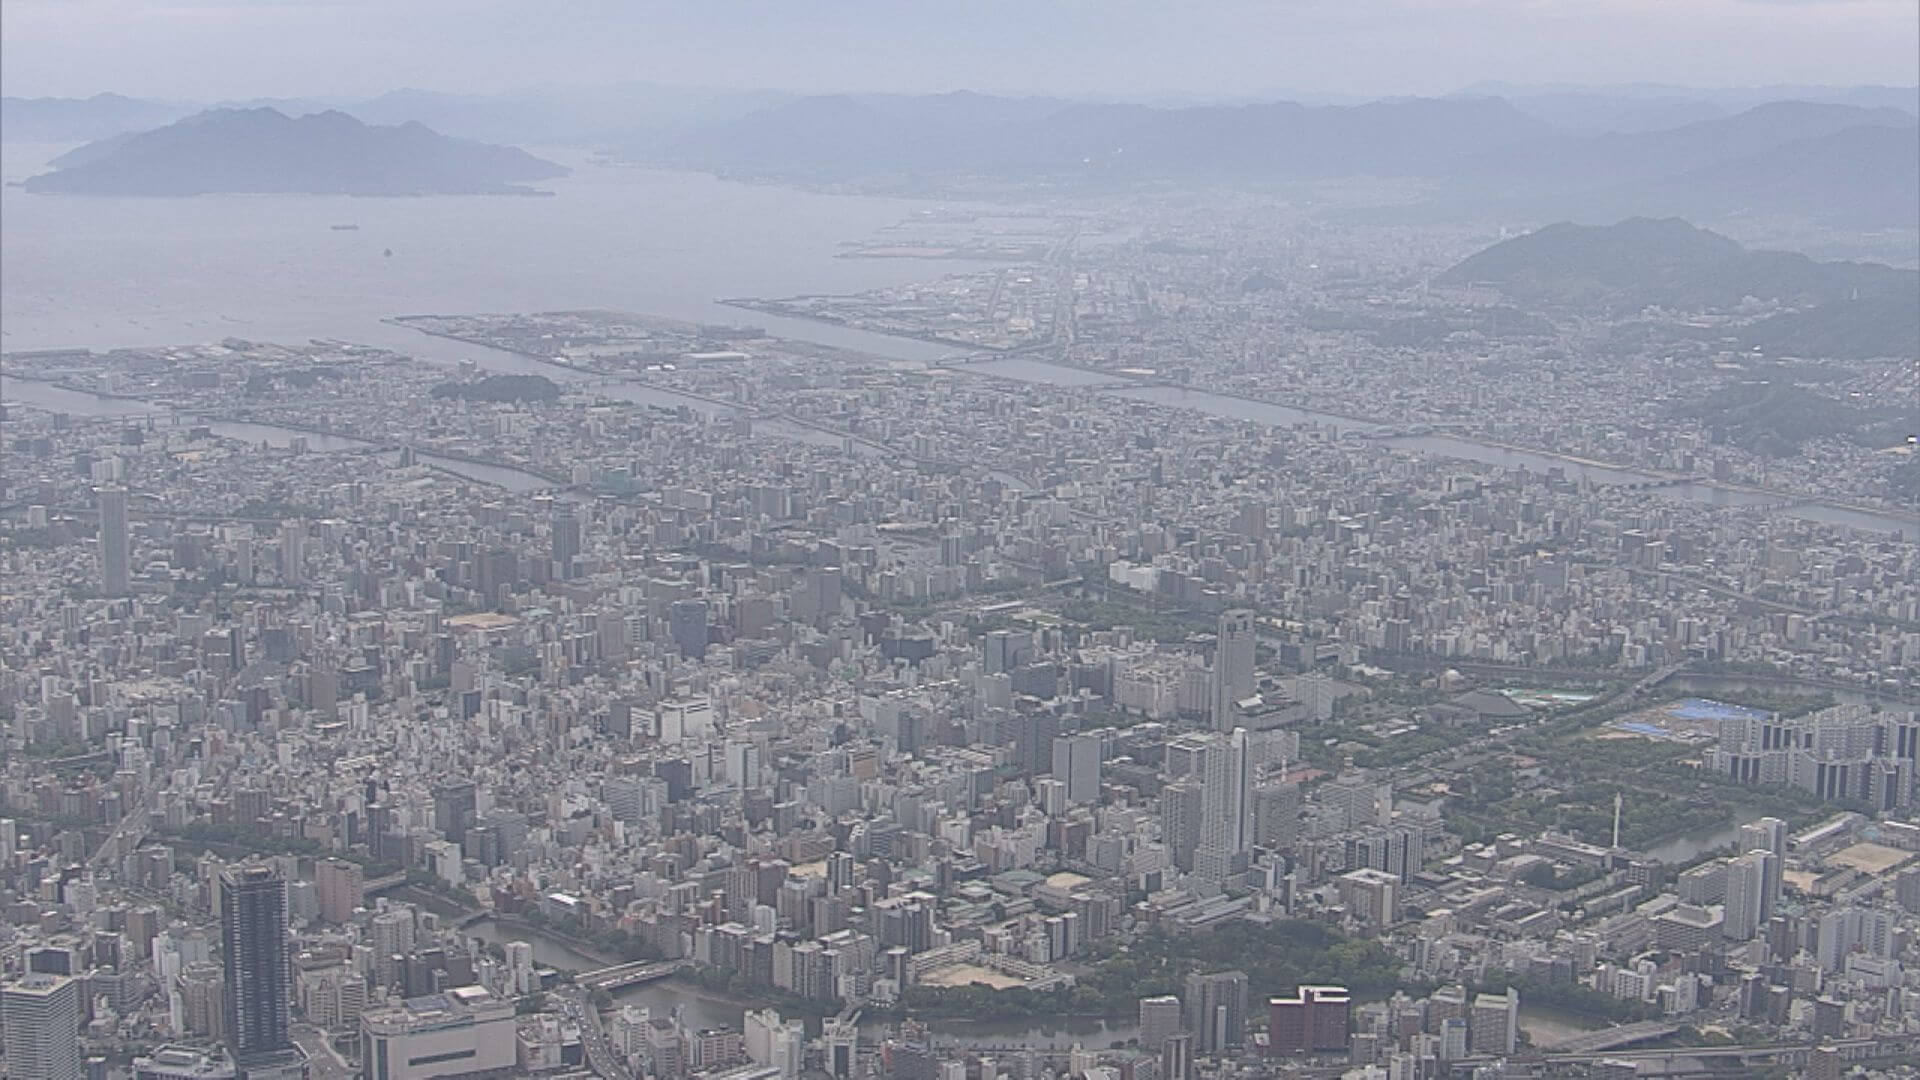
{"x":184,"y":1063}
{"x":115,"y":553}
{"x":41,"y":1016}
{"x":462,"y":1032}
{"x":1493,"y":1027}
{"x":1313,"y":1019}
{"x":1216,"y":1010}
{"x":1076,"y":762}
{"x":1233,"y":666}
{"x":339,"y":884}
{"x":1746,"y":908}
{"x":1159,"y":1019}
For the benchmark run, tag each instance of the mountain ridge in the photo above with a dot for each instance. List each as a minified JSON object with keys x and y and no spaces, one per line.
{"x":264,"y":151}
{"x":1841,"y":309}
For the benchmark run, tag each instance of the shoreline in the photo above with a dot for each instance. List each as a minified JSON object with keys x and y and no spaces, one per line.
{"x":588,"y":373}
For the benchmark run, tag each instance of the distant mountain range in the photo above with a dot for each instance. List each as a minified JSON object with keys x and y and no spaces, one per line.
{"x":960,"y":134}
{"x":1837,"y":163}
{"x":1840,"y":309}
{"x":541,"y":116}
{"x":66,"y":120}
{"x":264,"y":151}
{"x":1844,"y":157}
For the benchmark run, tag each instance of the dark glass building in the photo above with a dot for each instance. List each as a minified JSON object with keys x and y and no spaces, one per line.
{"x":253,"y":936}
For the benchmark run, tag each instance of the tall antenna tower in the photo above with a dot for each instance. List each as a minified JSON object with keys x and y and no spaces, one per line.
{"x":1617,"y":799}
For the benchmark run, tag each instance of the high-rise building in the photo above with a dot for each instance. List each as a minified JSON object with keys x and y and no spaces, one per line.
{"x":1746,"y":908}
{"x":566,"y":540}
{"x":1216,"y":1006}
{"x":1276,"y":816}
{"x":1768,"y":834}
{"x":1076,"y":762}
{"x":392,"y":934}
{"x":41,"y":1015}
{"x":1176,"y":1057}
{"x":687,"y":625}
{"x":1224,"y":806}
{"x":1181,"y":809}
{"x":203,"y":999}
{"x":253,"y":938}
{"x":1493,"y":1027}
{"x":339,"y":884}
{"x":115,"y":556}
{"x":1004,"y":650}
{"x":1312,"y":1019}
{"x":455,"y":808}
{"x":1233,"y":671}
{"x":1159,"y":1019}
{"x":293,"y":552}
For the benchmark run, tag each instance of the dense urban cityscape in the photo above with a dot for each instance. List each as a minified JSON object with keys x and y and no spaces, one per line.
{"x":671,"y":700}
{"x":1220,"y":540}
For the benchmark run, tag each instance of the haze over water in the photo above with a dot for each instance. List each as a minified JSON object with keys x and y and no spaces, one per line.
{"x":113,"y":272}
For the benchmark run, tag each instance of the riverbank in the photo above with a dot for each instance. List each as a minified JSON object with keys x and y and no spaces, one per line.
{"x":1274,"y":414}
{"x":772,"y":307}
{"x":558,"y":365}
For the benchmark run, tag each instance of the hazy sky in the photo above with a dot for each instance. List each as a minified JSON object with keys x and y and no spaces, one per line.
{"x":261,"y":48}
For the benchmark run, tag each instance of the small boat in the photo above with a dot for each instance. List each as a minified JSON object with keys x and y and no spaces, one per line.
{"x":345,"y":228}
{"x":388,"y":253}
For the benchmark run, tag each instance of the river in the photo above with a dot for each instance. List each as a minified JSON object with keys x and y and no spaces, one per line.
{"x":1028,"y":369}
{"x":1546,"y":1025}
{"x":1691,"y":845}
{"x":700,"y":1009}
{"x":105,"y":272}
{"x":79,"y":403}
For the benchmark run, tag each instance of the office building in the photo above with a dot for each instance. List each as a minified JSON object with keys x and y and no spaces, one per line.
{"x":687,"y":626}
{"x":1493,"y":1027}
{"x":115,"y":555}
{"x":459,"y":1032}
{"x":293,"y":553}
{"x":1004,"y":650}
{"x":1276,"y":816}
{"x":1313,"y":1019}
{"x":565,"y":541}
{"x":683,"y":720}
{"x":1182,"y":806}
{"x":454,"y":809}
{"x":1076,"y":762}
{"x":1233,"y":666}
{"x":184,"y":1063}
{"x":253,"y":940}
{"x":1224,"y":809}
{"x":1768,"y":834}
{"x":1746,"y":903}
{"x":1159,"y":1019}
{"x":1176,"y":1056}
{"x":1371,"y":896}
{"x":339,"y":884}
{"x":1216,"y":1010}
{"x":41,"y":1016}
